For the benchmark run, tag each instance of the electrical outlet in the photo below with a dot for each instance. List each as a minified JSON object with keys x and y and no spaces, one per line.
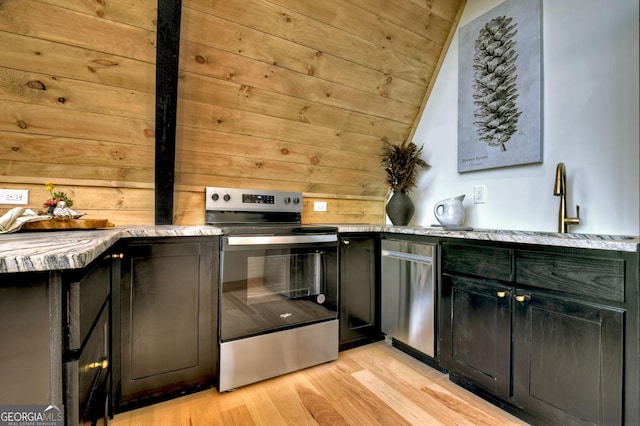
{"x":14,"y":196}
{"x":479,"y":194}
{"x":319,"y":206}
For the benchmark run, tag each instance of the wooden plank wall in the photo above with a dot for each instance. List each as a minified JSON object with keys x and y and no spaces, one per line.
{"x":274,"y":94}
{"x":77,"y":104}
{"x":289,"y":94}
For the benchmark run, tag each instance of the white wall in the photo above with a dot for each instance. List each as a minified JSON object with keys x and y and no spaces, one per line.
{"x":590,"y":118}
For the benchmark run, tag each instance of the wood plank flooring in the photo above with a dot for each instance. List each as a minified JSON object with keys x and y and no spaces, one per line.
{"x":374,"y":384}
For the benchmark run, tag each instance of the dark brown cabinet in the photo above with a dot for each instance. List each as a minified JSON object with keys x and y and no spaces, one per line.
{"x":478,"y":342}
{"x":359,"y":290}
{"x":542,"y":330}
{"x":55,"y":329}
{"x":167,"y":318}
{"x":30,"y":332}
{"x":568,"y":360}
{"x":86,"y":307}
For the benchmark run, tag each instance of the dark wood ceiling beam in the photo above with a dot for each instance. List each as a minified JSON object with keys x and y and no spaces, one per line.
{"x":168,"y":49}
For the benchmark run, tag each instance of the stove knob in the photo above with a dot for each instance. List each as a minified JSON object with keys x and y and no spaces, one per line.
{"x":215,"y":197}
{"x":296,"y":200}
{"x":226,"y":197}
{"x":287,"y":200}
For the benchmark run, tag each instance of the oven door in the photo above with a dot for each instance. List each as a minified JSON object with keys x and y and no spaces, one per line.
{"x":271,"y":283}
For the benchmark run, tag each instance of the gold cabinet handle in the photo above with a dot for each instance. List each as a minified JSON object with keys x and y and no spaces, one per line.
{"x":501,"y":294}
{"x":100,"y":364}
{"x":522,"y":298}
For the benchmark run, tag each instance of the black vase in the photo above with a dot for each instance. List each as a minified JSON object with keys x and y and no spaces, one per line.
{"x":400,"y":208}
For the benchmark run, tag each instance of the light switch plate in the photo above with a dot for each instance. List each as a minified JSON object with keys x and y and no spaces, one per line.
{"x":14,"y":196}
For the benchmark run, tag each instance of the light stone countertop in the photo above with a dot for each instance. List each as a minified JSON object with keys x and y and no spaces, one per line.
{"x":57,"y":250}
{"x":630,"y":243}
{"x":30,"y":251}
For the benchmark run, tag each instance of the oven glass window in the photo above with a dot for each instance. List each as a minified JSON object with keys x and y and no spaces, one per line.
{"x":264,"y":290}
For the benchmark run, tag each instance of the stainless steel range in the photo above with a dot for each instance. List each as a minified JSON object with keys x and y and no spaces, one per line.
{"x":278,"y":285}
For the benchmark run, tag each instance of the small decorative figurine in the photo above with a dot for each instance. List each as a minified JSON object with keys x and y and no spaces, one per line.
{"x":63,"y":212}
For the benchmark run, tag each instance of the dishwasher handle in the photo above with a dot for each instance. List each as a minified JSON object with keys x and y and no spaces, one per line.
{"x":406,"y":256}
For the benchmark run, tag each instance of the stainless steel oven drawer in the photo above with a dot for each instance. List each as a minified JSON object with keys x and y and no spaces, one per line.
{"x":257,"y":358}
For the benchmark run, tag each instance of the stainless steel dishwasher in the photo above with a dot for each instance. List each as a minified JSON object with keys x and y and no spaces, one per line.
{"x":408,"y":294}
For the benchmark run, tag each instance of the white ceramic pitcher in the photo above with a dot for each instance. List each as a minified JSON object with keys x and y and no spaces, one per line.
{"x":450,"y":212}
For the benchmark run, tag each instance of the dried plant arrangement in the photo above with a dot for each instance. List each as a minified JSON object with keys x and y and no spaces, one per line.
{"x":401,"y":163}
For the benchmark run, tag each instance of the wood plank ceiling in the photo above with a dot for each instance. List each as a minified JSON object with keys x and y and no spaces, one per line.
{"x":274,"y":94}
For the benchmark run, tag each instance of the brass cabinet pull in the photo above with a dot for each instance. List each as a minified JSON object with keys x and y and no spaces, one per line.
{"x":502,"y":294}
{"x":102,"y":364}
{"x":522,"y":298}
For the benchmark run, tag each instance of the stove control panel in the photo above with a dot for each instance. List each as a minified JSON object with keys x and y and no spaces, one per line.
{"x":252,"y":200}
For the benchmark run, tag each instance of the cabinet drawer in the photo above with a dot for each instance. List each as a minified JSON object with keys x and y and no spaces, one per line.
{"x":588,"y":276}
{"x":86,"y":378}
{"x":85,"y":298}
{"x":488,"y":262}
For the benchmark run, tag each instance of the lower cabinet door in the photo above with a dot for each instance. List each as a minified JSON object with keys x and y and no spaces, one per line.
{"x":568,"y":360}
{"x":477,"y":333}
{"x":87,"y":381}
{"x":358,"y":292}
{"x":167,"y":322}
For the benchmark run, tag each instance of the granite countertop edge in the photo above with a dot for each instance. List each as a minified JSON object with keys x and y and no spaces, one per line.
{"x":34,"y":251}
{"x":60,"y":250}
{"x":626,"y":243}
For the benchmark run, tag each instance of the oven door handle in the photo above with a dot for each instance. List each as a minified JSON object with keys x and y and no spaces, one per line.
{"x":250,"y":240}
{"x":318,"y":274}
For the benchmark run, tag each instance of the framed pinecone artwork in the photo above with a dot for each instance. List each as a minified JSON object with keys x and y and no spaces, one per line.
{"x":500,"y":87}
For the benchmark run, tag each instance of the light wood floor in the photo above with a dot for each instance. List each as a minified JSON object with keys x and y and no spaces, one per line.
{"x":370,"y":385}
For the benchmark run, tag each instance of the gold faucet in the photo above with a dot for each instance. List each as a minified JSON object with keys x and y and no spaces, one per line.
{"x":560,"y":189}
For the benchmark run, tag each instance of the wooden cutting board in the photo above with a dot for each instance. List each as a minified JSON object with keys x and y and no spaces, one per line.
{"x":68,"y":224}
